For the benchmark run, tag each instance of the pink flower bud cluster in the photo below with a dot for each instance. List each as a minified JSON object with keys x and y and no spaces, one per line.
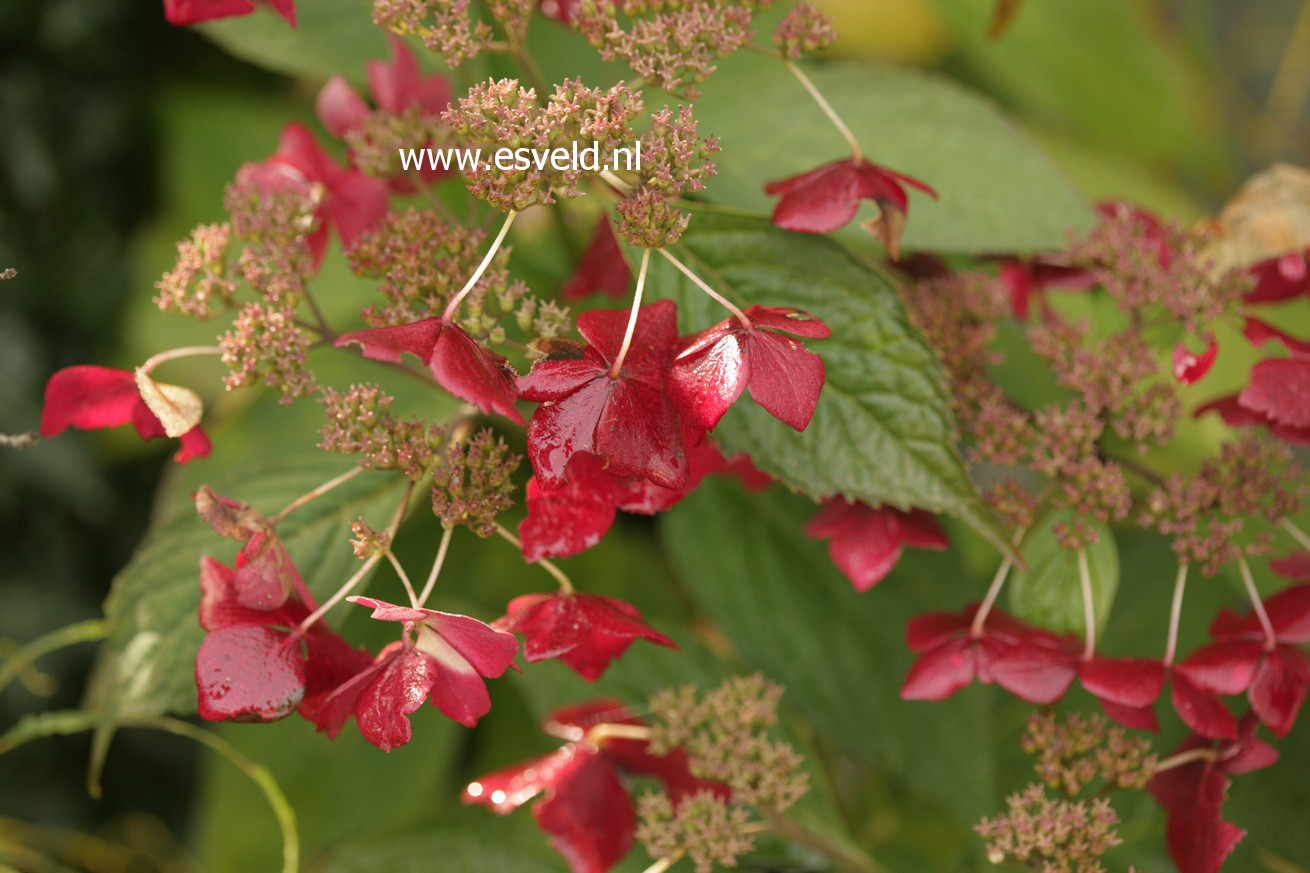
{"x":377,"y":140}
{"x":724,"y":734}
{"x":199,"y":284}
{"x":447,"y":27}
{"x":501,"y":114}
{"x":1147,"y":264}
{"x":359,"y":422}
{"x":266,"y":345}
{"x":422,"y":261}
{"x":475,"y":482}
{"x":708,"y":830}
{"x":802,"y":30}
{"x":368,"y":542}
{"x":675,"y":161}
{"x":671,"y":45}
{"x":1075,"y":750}
{"x":1051,"y":834}
{"x":1226,"y":511}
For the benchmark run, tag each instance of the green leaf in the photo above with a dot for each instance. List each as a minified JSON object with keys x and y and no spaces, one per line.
{"x":840,"y":654}
{"x":147,"y":665}
{"x":1049,"y":592}
{"x":479,"y":841}
{"x":331,"y":36}
{"x":883,"y":431}
{"x":997,"y":190}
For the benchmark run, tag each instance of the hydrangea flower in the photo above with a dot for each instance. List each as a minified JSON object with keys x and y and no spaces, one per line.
{"x":457,"y":362}
{"x":713,"y":367}
{"x":443,"y":656}
{"x":626,"y":419}
{"x":90,"y":398}
{"x":585,"y":631}
{"x":828,"y":197}
{"x":585,"y":804}
{"x":865,"y":543}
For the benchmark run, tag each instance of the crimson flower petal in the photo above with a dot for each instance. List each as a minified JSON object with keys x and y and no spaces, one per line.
{"x":1140,"y":718}
{"x":180,"y":12}
{"x":1225,"y":667}
{"x":1035,"y":673}
{"x":572,"y":518}
{"x":1199,"y":711}
{"x":865,"y":543}
{"x":941,"y":671}
{"x":1280,"y":278}
{"x":473,"y":373}
{"x":1193,"y":796}
{"x":588,"y":813}
{"x":585,"y":631}
{"x":1260,"y":332}
{"x":397,"y":690}
{"x":248,"y":673}
{"x":1279,"y":688}
{"x":1188,"y":367}
{"x":340,"y":107}
{"x":1128,"y":682}
{"x":507,"y":789}
{"x":602,"y":268}
{"x":89,"y":398}
{"x":1289,"y":609}
{"x":1280,"y":390}
{"x":399,"y":84}
{"x":1293,"y":566}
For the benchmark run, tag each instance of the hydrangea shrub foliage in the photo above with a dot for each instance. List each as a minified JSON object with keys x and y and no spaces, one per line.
{"x":816,"y":401}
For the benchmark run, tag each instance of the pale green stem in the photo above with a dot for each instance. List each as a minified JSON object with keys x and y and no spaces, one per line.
{"x":1176,"y":614}
{"x":316,"y":493}
{"x":362,"y":572}
{"x":174,"y":354}
{"x":436,"y":566}
{"x":702,"y":285}
{"x":1297,"y":534}
{"x":1271,"y":639}
{"x":404,"y":578}
{"x":1089,"y":605}
{"x":827,"y":110}
{"x":998,"y":582}
{"x":565,"y":584}
{"x":632,"y":317}
{"x":482,"y":268}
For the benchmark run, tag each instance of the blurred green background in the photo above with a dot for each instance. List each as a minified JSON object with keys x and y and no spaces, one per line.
{"x":117,"y":135}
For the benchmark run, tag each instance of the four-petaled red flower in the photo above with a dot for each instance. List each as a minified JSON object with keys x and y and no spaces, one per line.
{"x":865,"y":543}
{"x":90,"y":398}
{"x":712,"y":368}
{"x":251,"y":666}
{"x":397,"y":85}
{"x":194,"y":11}
{"x":1192,"y":794}
{"x":826,"y":198}
{"x":627,"y":419}
{"x":586,"y":808}
{"x":443,"y":656}
{"x":953,"y":655}
{"x":352,"y":202}
{"x":574,"y":517}
{"x":602,"y":268}
{"x":585,"y":631}
{"x":457,"y":362}
{"x":1274,"y":673}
